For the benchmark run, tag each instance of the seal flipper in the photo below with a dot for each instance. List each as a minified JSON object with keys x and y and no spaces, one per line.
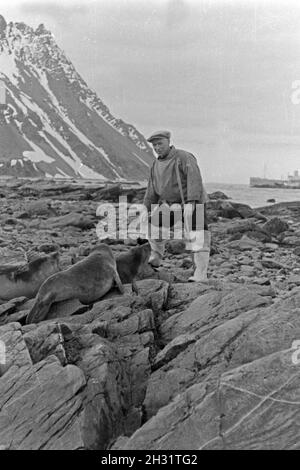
{"x":40,"y":309}
{"x":134,"y":287}
{"x":118,"y":282}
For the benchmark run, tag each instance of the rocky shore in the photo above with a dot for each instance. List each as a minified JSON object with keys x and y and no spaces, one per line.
{"x":178,"y":366}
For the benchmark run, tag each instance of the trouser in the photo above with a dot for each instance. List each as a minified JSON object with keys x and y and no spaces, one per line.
{"x":200,"y":248}
{"x":194,"y":242}
{"x":196,"y":238}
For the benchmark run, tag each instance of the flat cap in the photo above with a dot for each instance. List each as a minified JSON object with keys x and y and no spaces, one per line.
{"x":159,"y":135}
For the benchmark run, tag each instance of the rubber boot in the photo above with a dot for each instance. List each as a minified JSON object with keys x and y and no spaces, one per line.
{"x":200,"y":247}
{"x":201,"y":260}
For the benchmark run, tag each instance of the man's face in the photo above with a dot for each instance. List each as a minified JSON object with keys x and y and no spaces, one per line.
{"x":161,"y":146}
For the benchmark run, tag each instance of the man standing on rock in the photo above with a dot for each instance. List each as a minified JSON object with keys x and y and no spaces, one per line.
{"x":175,"y":178}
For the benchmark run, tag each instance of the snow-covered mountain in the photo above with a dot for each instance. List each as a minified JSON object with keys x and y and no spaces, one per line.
{"x":51,"y":123}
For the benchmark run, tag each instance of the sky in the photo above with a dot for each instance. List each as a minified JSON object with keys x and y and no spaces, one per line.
{"x":222,"y":76}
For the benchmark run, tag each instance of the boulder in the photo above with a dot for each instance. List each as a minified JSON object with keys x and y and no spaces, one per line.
{"x":244,"y":244}
{"x":227,"y":210}
{"x":8,"y":308}
{"x":111,"y":193}
{"x":48,"y":247}
{"x":291,"y":240}
{"x":176,"y":247}
{"x":186,"y":263}
{"x":294,"y":279}
{"x":259,"y":235}
{"x":217,"y":195}
{"x":271,"y":264}
{"x":275,"y":226}
{"x":38,"y":208}
{"x":241,"y":226}
{"x":297,"y":251}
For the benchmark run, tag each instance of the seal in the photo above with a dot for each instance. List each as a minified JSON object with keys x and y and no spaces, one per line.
{"x":132,"y":263}
{"x":88,"y":281}
{"x":25,"y":280}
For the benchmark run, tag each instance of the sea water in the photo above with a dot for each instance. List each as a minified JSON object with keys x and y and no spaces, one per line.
{"x":254,"y":197}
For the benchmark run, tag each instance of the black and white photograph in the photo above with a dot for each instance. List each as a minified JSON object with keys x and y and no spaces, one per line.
{"x":149,"y":227}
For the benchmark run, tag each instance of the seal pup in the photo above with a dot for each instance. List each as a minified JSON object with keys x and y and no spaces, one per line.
{"x":132,"y":263}
{"x":88,"y":281}
{"x":25,"y":280}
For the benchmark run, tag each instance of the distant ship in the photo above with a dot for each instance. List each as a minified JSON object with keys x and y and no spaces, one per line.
{"x":293,"y":182}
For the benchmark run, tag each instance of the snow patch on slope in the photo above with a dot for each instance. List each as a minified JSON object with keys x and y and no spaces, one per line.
{"x":75,"y":163}
{"x":20,"y":105}
{"x":140,"y":159}
{"x":8,"y":64}
{"x":37,"y":154}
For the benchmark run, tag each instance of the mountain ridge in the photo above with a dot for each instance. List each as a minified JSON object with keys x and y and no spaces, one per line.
{"x":52,"y":123}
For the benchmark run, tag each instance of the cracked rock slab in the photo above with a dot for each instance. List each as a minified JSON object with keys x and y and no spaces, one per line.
{"x":44,"y":340}
{"x":260,"y":405}
{"x":192,"y":418}
{"x":211,"y":309}
{"x":14,"y":352}
{"x":41,"y":407}
{"x":255,"y":406}
{"x":232,"y":343}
